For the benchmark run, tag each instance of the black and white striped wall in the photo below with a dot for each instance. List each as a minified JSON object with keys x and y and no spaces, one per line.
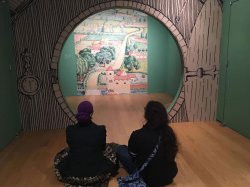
{"x":41,"y":29}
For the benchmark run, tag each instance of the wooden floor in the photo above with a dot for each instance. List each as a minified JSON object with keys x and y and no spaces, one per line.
{"x":209,"y":156}
{"x":121,"y":114}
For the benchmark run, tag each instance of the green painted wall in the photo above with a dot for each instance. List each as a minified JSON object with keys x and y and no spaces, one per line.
{"x":67,"y":68}
{"x":9,"y":106}
{"x":164,"y":62}
{"x":234,"y":90}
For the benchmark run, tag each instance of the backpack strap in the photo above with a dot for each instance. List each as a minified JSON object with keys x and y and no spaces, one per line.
{"x":151,"y":156}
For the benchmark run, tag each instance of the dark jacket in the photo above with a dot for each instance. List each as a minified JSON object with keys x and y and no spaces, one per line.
{"x":160,"y":170}
{"x":86,"y":145}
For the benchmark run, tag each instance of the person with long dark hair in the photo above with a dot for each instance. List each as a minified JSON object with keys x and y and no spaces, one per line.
{"x":162,"y":168}
{"x":88,"y":160}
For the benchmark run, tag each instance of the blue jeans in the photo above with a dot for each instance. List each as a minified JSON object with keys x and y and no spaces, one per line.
{"x":125,"y":158}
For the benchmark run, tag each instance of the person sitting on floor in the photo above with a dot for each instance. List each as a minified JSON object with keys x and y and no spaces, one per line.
{"x":88,"y":160}
{"x":162,"y":168}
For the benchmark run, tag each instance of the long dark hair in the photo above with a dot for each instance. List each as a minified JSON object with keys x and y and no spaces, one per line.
{"x":157,"y":119}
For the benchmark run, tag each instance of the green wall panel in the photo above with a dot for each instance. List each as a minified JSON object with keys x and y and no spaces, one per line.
{"x":234,"y":90}
{"x":9,"y":106}
{"x":67,"y":68}
{"x":164,"y":60}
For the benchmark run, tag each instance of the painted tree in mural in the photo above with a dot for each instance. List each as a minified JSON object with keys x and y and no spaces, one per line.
{"x":106,"y":55}
{"x":85,"y":61}
{"x":81,"y":67}
{"x":87,"y":56}
{"x":102,"y":79}
{"x":131,"y":47}
{"x":131,"y":63}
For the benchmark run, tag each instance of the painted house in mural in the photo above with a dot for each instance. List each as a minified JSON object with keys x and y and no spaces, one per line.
{"x":119,"y":82}
{"x":96,"y":48}
{"x":139,"y":83}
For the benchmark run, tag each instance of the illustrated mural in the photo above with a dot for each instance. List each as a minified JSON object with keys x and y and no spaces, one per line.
{"x":195,"y":24}
{"x":111,"y":50}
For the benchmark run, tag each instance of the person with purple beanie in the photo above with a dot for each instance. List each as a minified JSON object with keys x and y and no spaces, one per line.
{"x":88,"y":160}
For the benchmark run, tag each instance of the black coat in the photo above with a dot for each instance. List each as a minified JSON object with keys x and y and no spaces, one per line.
{"x":160,"y":170}
{"x":86,"y":145}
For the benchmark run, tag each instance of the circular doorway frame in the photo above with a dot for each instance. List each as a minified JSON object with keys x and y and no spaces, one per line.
{"x":101,"y":7}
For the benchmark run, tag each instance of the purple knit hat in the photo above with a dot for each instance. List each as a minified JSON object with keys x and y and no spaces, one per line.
{"x":84,"y":111}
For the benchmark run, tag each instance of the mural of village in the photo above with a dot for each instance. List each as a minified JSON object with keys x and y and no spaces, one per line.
{"x":111,"y":50}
